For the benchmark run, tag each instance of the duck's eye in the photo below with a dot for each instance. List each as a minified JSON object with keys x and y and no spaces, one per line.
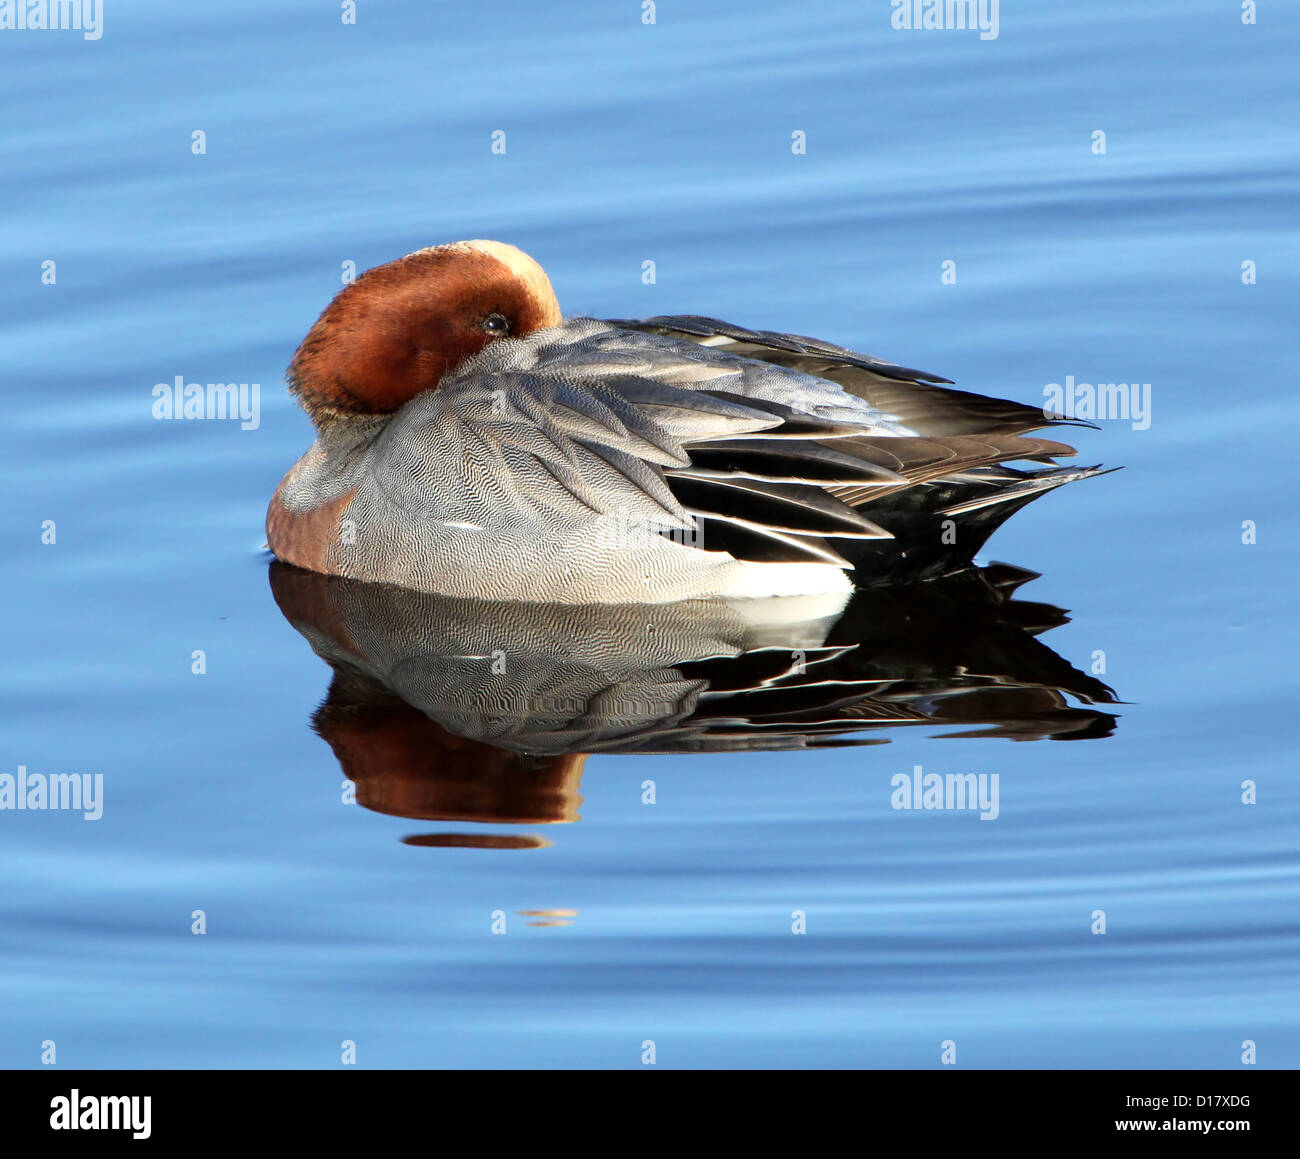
{"x":496,"y":324}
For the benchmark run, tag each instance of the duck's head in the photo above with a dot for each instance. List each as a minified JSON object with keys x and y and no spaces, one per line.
{"x":400,"y":327}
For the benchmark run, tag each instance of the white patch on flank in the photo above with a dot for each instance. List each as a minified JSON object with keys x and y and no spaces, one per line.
{"x":757,"y":580}
{"x":791,"y":621}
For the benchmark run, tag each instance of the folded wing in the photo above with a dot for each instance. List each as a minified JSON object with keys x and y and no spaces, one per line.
{"x":774,"y":448}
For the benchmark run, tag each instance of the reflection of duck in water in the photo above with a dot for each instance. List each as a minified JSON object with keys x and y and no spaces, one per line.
{"x":471,"y":442}
{"x":479,"y":710}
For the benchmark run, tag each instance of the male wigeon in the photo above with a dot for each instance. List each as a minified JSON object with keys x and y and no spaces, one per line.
{"x":472,"y":442}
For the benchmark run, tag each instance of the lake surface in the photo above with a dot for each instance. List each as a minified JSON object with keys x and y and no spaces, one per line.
{"x":328,"y":921}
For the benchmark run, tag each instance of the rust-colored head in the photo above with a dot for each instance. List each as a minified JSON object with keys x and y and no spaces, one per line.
{"x":400,"y":327}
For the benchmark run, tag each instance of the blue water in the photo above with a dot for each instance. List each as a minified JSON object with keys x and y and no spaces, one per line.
{"x":670,"y":143}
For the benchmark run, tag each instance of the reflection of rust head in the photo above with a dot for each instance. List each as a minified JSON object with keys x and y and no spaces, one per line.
{"x":405,"y":765}
{"x":304,"y":597}
{"x":476,"y":841}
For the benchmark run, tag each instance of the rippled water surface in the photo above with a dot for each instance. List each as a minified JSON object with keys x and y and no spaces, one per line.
{"x":626,"y":921}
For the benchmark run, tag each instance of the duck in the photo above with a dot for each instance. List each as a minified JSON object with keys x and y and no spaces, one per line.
{"x":474,"y":443}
